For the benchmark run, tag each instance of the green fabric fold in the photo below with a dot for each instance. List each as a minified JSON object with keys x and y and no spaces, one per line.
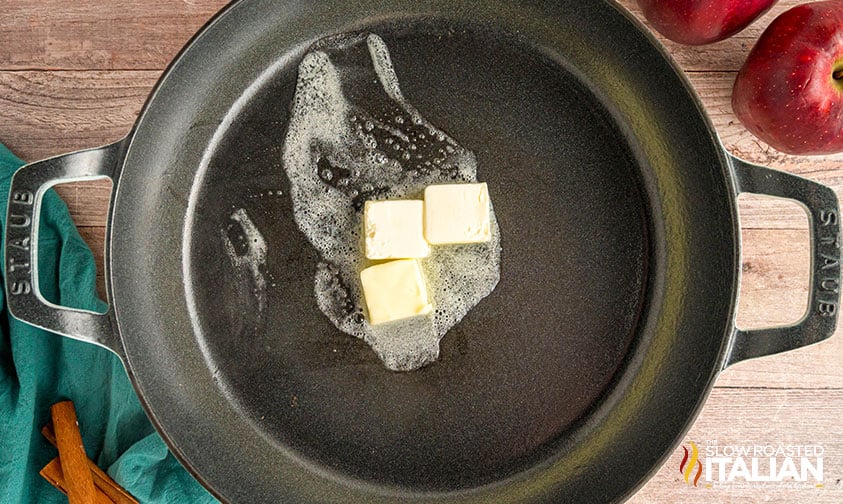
{"x":38,"y":368}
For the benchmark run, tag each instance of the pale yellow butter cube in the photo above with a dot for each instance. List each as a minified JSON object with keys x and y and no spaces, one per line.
{"x":394,"y":229}
{"x":456,"y":213}
{"x":395,"y":290}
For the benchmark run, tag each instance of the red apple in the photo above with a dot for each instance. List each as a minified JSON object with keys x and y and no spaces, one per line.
{"x":698,"y":22}
{"x":789,"y":91}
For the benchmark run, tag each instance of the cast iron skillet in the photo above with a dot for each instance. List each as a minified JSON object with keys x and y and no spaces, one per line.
{"x":571,"y":382}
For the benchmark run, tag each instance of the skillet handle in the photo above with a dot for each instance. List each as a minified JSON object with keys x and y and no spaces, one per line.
{"x":820,"y":319}
{"x":24,"y":298}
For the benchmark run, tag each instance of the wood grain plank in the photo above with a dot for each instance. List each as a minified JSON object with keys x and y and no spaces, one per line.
{"x":775,"y":269}
{"x":762,"y":417}
{"x":766,"y":212}
{"x":119,"y":34}
{"x":87,"y":201}
{"x":98,"y":34}
{"x":48,"y":113}
{"x":793,"y":397}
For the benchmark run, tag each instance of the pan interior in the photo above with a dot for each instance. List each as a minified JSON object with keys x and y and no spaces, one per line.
{"x":527,"y":364}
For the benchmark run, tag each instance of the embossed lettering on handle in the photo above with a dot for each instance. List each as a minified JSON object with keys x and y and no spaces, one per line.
{"x":827,"y":290}
{"x":19,"y":224}
{"x":21,"y":245}
{"x":821,"y":317}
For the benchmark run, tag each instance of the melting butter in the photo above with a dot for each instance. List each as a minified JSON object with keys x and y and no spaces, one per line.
{"x":352,"y":137}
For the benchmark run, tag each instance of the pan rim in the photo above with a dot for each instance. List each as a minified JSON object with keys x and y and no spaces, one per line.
{"x":729,"y":177}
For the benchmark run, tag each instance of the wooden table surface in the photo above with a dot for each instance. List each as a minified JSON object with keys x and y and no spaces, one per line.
{"x":75,"y":73}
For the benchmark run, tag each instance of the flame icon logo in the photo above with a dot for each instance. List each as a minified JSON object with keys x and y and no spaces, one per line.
{"x":690,"y":461}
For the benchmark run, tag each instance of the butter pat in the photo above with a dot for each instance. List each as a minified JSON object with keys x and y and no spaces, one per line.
{"x":394,"y":229}
{"x":395,"y":290}
{"x":456,"y":213}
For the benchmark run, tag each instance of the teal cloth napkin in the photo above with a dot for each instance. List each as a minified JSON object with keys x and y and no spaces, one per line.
{"x":38,"y":368}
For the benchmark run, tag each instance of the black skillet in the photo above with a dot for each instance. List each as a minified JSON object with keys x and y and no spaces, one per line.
{"x":571,"y":382}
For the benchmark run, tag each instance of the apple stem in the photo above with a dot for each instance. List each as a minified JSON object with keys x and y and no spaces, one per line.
{"x":838,"y":74}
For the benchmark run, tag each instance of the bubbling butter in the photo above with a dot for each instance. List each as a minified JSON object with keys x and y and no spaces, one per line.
{"x":352,"y":137}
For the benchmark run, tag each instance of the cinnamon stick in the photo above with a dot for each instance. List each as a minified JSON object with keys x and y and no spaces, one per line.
{"x":52,"y":473}
{"x":102,"y":480}
{"x":78,"y":480}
